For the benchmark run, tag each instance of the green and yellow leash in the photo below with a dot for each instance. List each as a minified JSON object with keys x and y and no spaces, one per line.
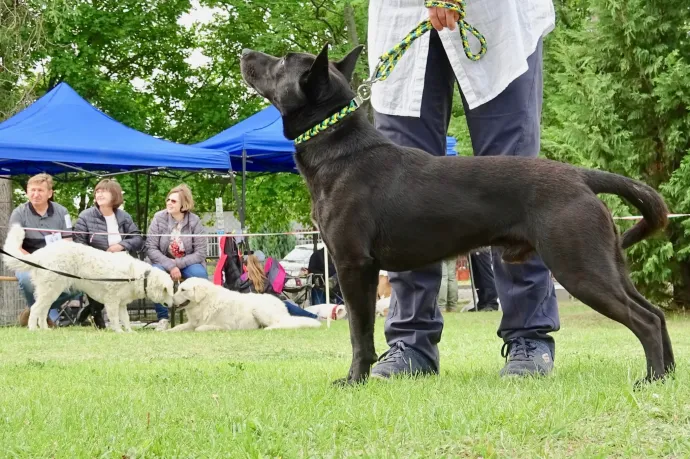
{"x":388,"y":61}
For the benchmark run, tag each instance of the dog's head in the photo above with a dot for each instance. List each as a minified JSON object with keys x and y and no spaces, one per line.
{"x":304,"y":88}
{"x":191,"y":291}
{"x":160,"y":287}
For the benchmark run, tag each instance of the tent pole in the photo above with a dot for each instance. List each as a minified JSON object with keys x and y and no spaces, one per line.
{"x":233,"y":184}
{"x":146,"y":206}
{"x":75,"y":168}
{"x":136,"y":192}
{"x":244,"y":190}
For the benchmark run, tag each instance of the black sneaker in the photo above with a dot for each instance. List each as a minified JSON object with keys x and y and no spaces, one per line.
{"x":526,"y":357}
{"x":402,"y":360}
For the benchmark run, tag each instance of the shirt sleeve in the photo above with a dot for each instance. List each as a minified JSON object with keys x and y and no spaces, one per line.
{"x":16,"y":218}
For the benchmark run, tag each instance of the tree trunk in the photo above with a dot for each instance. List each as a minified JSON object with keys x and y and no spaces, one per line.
{"x":12,"y":300}
{"x":353,"y":38}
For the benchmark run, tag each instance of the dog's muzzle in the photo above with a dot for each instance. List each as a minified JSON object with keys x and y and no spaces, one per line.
{"x":183,"y":305}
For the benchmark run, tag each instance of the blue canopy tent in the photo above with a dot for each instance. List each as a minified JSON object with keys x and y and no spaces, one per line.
{"x":257,"y":144}
{"x":259,"y":140}
{"x":62,"y":132}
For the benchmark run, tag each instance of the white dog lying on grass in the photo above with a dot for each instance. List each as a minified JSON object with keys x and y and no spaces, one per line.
{"x":212,"y":307}
{"x":84,"y":261}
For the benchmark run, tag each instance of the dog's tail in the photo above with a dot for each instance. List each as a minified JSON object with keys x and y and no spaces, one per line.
{"x":13,"y":244}
{"x":295,"y":322}
{"x":645,"y":198}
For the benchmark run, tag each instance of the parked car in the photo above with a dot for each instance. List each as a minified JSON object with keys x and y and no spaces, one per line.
{"x":298,"y":258}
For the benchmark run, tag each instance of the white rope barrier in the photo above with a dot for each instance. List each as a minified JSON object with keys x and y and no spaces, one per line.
{"x":289,"y":233}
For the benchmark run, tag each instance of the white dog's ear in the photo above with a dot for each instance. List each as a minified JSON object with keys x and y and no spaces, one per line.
{"x":199,"y":293}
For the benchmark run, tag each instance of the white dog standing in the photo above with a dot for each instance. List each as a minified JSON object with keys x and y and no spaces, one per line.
{"x":86,"y":262}
{"x":212,"y":307}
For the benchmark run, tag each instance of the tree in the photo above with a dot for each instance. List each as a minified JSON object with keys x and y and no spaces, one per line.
{"x":130,"y":59}
{"x":21,"y":34}
{"x":275,"y":27}
{"x":620,"y":98}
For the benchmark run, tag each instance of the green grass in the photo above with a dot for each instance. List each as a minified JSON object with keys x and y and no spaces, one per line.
{"x":82,"y":393}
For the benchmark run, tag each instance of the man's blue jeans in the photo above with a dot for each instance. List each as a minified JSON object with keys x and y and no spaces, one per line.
{"x":27,"y":288}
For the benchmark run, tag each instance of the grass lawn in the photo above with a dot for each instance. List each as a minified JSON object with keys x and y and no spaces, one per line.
{"x":76,"y":393}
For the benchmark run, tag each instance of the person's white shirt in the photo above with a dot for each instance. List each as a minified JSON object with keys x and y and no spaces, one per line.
{"x":111,"y":224}
{"x":511,"y":28}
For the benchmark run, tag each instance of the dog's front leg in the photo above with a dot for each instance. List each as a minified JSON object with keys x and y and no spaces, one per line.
{"x":206,"y":328}
{"x":358,"y":282}
{"x":187,"y":326}
{"x":33,"y":318}
{"x":124,"y":317}
{"x":113,"y":310}
{"x":38,"y":314}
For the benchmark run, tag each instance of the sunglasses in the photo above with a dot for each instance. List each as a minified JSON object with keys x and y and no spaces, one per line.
{"x":174,"y":201}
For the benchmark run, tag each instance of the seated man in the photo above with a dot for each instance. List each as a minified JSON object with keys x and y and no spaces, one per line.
{"x":39,"y":212}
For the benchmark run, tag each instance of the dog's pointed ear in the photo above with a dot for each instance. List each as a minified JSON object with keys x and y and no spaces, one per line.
{"x":348,"y":63}
{"x":318,"y":75}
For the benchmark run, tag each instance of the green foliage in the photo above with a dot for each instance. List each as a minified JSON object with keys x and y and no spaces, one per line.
{"x":130,"y":59}
{"x":617,"y":99}
{"x":616,"y":82}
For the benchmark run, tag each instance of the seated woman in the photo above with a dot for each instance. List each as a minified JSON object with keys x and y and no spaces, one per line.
{"x":106,"y":217}
{"x":180,"y":255}
{"x":256,"y":281}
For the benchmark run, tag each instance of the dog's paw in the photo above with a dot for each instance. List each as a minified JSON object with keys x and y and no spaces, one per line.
{"x":647,"y":381}
{"x":347,"y":382}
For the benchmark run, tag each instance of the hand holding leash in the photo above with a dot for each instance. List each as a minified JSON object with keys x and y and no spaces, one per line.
{"x":441,"y":13}
{"x":441,"y":17}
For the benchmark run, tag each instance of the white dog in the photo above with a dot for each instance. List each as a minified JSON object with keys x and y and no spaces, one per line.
{"x":89,"y":263}
{"x":382,"y":306}
{"x":212,"y":307}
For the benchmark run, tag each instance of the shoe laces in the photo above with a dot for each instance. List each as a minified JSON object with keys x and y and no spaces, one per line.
{"x":394,"y":354}
{"x":518,"y":349}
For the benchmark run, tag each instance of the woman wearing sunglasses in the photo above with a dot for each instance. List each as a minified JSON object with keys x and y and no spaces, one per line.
{"x":170,"y":245}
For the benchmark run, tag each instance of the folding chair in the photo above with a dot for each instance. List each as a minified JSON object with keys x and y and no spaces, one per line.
{"x":301,"y":292}
{"x":71,"y":310}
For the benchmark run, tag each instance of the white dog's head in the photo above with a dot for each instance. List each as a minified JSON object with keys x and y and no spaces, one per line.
{"x":191,"y":291}
{"x":160,"y":287}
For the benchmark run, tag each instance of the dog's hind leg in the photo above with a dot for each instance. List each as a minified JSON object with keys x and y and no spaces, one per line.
{"x":124,"y":317}
{"x":359,"y":281}
{"x":609,"y":297}
{"x":631,"y":290}
{"x":113,"y":310}
{"x":669,"y":359}
{"x":582,"y":257}
{"x":38,"y":315}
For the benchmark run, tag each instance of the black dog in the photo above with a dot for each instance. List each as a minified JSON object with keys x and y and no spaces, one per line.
{"x":377,"y":206}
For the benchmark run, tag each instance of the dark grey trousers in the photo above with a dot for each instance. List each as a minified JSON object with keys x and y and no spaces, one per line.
{"x":507,"y":125}
{"x":484,"y":280}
